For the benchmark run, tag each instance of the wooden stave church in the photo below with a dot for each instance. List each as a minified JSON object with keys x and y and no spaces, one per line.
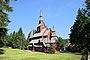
{"x":41,"y":40}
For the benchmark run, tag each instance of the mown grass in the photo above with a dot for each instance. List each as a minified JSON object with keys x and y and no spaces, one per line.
{"x":16,"y":54}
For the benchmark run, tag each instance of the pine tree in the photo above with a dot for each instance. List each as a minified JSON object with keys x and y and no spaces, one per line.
{"x":17,"y":41}
{"x":13,"y":39}
{"x":80,"y":31}
{"x":87,"y":26}
{"x":4,"y":20}
{"x":27,"y":41}
{"x":5,"y":40}
{"x":76,"y":29}
{"x":21,"y":38}
{"x":10,"y":40}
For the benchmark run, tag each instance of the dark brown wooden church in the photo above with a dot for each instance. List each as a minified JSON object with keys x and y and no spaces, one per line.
{"x":42,"y":39}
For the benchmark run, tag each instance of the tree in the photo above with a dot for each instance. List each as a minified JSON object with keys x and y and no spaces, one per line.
{"x":5,"y":40}
{"x":79,"y":30}
{"x":10,"y":40}
{"x":80,"y":34}
{"x":76,"y":29}
{"x":15,"y":40}
{"x":4,"y":20}
{"x":27,"y":41}
{"x":84,"y":54}
{"x":21,"y":38}
{"x":61,"y":41}
{"x":66,"y":41}
{"x":87,"y":26}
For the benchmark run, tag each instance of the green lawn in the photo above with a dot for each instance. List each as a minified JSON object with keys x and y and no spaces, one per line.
{"x":16,"y":54}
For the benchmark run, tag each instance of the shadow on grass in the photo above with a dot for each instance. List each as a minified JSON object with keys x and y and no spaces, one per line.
{"x":1,"y":51}
{"x":65,"y":52}
{"x":76,"y":53}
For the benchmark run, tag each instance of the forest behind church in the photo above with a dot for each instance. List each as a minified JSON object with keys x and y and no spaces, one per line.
{"x":17,"y":40}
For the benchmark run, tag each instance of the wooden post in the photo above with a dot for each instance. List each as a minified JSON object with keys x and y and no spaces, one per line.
{"x":33,"y":49}
{"x":44,"y":49}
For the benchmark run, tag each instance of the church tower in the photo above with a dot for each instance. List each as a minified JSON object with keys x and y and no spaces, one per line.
{"x":53,"y":33}
{"x":41,"y":24}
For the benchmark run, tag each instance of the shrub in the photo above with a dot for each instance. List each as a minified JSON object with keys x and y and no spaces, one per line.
{"x":62,"y":49}
{"x":73,"y":48}
{"x":50,"y":50}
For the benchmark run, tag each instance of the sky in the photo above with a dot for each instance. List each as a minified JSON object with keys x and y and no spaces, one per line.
{"x":60,"y":13}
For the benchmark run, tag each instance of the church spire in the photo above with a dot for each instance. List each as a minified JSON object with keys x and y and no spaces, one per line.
{"x":53,"y":28}
{"x":53,"y":32}
{"x":41,"y":15}
{"x":32,"y":28}
{"x":41,"y":24}
{"x":32,"y":32}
